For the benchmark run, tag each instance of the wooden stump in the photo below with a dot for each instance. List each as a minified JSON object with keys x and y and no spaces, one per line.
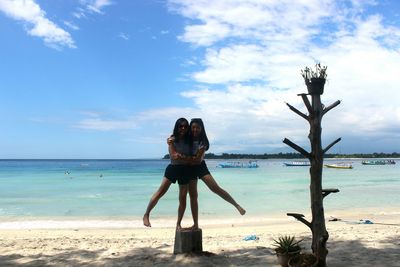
{"x":187,"y":240}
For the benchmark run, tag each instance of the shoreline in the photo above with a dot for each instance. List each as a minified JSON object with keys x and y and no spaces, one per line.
{"x":388,"y":214}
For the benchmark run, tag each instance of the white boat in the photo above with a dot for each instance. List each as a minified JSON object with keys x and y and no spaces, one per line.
{"x":340,"y":165}
{"x":378,"y":162}
{"x":238,"y":164}
{"x":297,"y":163}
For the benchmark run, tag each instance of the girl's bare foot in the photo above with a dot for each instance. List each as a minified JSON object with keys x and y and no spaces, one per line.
{"x":241,"y":210}
{"x":146,"y":220}
{"x":194,"y":227}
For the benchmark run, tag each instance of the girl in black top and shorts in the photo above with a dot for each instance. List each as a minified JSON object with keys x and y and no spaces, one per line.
{"x":200,"y":144}
{"x":177,"y":170}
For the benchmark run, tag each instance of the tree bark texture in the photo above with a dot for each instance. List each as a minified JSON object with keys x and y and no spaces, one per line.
{"x":319,"y":233}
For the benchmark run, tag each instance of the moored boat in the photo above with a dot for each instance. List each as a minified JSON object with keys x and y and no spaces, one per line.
{"x":238,"y":164}
{"x":297,"y":163}
{"x":378,"y":162}
{"x":340,"y":165}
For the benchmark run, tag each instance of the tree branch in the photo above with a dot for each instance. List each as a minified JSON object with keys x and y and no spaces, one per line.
{"x":330,"y":107}
{"x":299,"y":217}
{"x":297,"y":148}
{"x":295,"y":110}
{"x":306,"y":102}
{"x":327,"y":191}
{"x":331,"y":145}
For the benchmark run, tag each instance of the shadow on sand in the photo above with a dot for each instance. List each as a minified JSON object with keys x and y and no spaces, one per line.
{"x":353,"y":253}
{"x":356,"y":254}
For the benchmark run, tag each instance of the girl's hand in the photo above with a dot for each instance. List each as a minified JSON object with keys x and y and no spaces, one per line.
{"x":170,"y":140}
{"x":176,"y":156}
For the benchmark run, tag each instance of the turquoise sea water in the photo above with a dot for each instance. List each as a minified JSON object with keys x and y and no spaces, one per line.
{"x":119,"y":188}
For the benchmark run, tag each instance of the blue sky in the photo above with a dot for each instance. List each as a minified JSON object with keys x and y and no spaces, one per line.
{"x":108,"y":79}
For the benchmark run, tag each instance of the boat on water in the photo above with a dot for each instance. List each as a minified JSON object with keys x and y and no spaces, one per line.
{"x":378,"y":162}
{"x":297,"y":163}
{"x":340,"y":165}
{"x":238,"y":164}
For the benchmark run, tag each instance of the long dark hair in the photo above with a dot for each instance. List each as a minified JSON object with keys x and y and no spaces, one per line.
{"x":176,"y":128}
{"x":203,"y":135}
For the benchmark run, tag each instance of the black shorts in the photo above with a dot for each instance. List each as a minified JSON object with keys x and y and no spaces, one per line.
{"x":181,"y":173}
{"x":201,"y":170}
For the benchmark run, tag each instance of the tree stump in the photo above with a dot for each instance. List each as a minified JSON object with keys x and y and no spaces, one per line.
{"x":187,"y":240}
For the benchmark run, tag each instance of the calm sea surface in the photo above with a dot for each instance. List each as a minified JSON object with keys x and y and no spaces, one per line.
{"x":119,"y":188}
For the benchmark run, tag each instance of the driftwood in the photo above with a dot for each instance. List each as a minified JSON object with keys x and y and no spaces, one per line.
{"x":187,"y":240}
{"x":316,"y":110}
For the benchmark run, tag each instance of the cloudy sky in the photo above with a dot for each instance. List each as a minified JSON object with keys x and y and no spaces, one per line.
{"x":108,"y":78}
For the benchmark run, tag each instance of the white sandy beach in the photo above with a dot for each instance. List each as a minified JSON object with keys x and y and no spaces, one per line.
{"x":350,"y":243}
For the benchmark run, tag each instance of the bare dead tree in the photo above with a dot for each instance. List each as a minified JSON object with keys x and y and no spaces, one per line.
{"x":315,"y":81}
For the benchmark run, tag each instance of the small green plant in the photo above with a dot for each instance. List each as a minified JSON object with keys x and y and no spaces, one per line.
{"x":319,"y":73}
{"x":286,"y":244}
{"x":315,"y":80}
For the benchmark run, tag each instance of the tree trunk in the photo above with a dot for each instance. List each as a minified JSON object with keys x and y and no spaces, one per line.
{"x":187,"y":241}
{"x":319,"y":233}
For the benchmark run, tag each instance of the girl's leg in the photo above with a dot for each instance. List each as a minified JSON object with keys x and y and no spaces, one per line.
{"x":183,"y":189}
{"x":214,"y":187}
{"x":165,"y":183}
{"x":194,"y":206}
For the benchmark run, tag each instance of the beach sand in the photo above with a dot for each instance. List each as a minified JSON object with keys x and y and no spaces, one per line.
{"x":350,"y":243}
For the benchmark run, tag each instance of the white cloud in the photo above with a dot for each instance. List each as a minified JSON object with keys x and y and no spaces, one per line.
{"x":206,"y":34}
{"x":90,"y":113}
{"x":225,"y":65}
{"x":254,"y":51}
{"x":71,"y":25}
{"x":124,"y":36}
{"x":29,"y":12}
{"x":111,"y":121}
{"x":88,"y":7}
{"x":269,"y":20}
{"x":96,"y":5}
{"x":79,"y":13}
{"x":99,"y":124}
{"x":245,"y":116}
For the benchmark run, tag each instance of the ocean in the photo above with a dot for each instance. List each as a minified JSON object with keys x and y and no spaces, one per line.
{"x":115,"y":189}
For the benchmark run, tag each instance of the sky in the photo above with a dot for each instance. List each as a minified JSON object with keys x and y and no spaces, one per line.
{"x":108,"y":78}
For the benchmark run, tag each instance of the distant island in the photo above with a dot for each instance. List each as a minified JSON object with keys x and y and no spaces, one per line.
{"x":294,"y":156}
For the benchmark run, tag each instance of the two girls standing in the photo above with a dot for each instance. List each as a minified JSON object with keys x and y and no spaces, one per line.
{"x":187,"y":147}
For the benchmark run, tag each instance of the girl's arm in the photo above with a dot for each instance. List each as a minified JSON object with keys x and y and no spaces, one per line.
{"x":172,"y":153}
{"x":194,"y":160}
{"x":198,"y":158}
{"x":172,"y":150}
